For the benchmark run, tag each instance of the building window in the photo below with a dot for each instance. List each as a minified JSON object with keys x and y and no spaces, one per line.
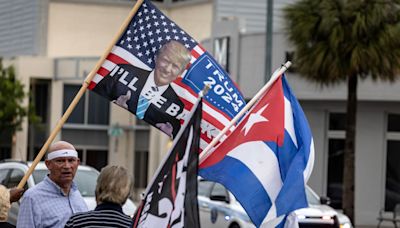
{"x":38,"y":132}
{"x":335,"y":172}
{"x":98,"y":110}
{"x":91,"y":108}
{"x":5,"y":152}
{"x":393,"y":123}
{"x":87,"y":126}
{"x":5,"y":145}
{"x":336,"y":135}
{"x":95,"y":158}
{"x":392,"y":187}
{"x":337,"y":121}
{"x":141,"y":158}
{"x":141,"y":168}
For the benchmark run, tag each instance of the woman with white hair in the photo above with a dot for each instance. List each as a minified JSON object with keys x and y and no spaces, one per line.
{"x":7,"y":196}
{"x":112,"y":190}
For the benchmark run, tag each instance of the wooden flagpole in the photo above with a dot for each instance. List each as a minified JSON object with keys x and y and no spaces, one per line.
{"x":208,"y":150}
{"x":80,"y":93}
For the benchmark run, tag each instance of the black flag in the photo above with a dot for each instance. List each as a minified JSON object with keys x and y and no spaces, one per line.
{"x":171,"y":198}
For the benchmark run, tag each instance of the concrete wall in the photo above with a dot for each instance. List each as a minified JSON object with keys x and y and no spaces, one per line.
{"x":82,"y":29}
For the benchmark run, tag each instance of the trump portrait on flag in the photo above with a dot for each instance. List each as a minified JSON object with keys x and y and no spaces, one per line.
{"x":155,"y":70}
{"x":149,"y":94}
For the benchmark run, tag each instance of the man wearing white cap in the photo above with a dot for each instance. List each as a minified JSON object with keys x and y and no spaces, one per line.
{"x":56,"y":198}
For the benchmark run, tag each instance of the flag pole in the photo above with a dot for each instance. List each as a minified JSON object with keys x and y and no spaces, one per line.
{"x":208,"y":150}
{"x":80,"y":93}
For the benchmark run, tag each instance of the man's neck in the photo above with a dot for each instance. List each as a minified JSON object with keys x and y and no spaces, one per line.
{"x":65,"y":187}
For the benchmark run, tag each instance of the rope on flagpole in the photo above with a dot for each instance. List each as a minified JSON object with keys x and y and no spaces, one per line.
{"x":209,"y":149}
{"x":80,"y":93}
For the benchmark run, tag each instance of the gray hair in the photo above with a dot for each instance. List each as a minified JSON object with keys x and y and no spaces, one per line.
{"x":113,"y":185}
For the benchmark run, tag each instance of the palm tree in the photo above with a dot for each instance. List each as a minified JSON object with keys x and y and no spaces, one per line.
{"x":345,"y":40}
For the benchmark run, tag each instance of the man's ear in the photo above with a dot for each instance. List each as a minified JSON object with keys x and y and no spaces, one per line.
{"x":79,"y":161}
{"x":47,"y":162}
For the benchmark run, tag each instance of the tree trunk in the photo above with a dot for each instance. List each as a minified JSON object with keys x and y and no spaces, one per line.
{"x":349,"y":149}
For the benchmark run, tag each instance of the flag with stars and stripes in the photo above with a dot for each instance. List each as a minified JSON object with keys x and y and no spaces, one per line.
{"x":147,"y":32}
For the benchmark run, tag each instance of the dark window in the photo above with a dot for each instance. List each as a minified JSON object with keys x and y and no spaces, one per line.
{"x":392,"y":191}
{"x":5,"y":152}
{"x":40,"y":90}
{"x":91,"y":108}
{"x":33,"y":154}
{"x":394,"y":123}
{"x":98,"y":109}
{"x":337,"y":121}
{"x":5,"y":145}
{"x":78,"y":114}
{"x":80,"y":155}
{"x":141,"y":166}
{"x":96,"y":158}
{"x":335,"y":171}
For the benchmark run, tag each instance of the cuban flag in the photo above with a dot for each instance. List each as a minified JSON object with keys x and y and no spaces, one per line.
{"x":266,"y":161}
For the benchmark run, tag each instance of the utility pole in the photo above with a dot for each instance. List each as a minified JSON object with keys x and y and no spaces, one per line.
{"x":268,"y":40}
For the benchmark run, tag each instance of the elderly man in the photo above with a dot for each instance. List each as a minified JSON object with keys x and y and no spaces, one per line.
{"x":56,"y":198}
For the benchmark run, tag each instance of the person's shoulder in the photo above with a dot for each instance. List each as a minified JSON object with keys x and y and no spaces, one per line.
{"x":39,"y":188}
{"x":31,"y":191}
{"x":80,"y":215}
{"x":6,"y":225}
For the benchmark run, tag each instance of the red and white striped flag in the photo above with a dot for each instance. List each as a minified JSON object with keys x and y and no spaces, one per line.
{"x":133,"y":57}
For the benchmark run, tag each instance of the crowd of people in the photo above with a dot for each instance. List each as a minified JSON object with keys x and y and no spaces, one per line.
{"x":57,"y":202}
